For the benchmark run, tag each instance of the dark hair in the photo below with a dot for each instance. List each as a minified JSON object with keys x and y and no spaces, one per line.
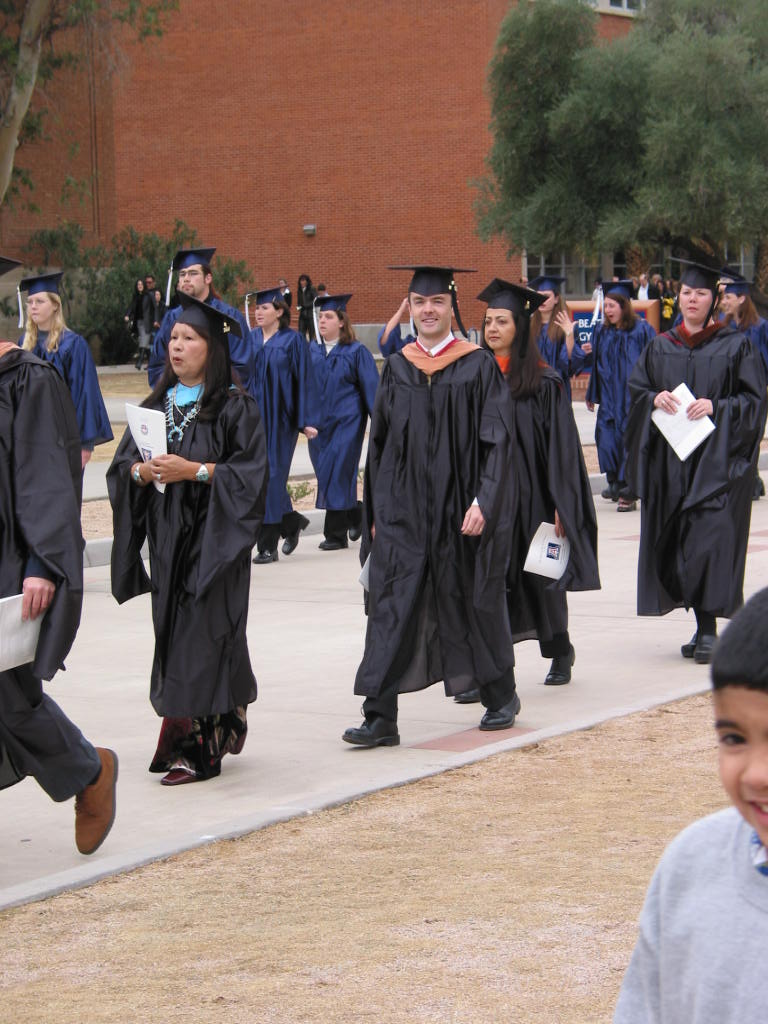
{"x":740,"y":657}
{"x":628,"y":317}
{"x":285,"y":313}
{"x":523,"y":375}
{"x":307,"y":278}
{"x":217,"y":379}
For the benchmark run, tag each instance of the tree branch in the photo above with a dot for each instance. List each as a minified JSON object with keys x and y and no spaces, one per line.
{"x":36,"y":16}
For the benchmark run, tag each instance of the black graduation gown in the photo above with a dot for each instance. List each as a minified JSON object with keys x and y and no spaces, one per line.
{"x":550,"y":474}
{"x":695,"y":514}
{"x":40,"y":489}
{"x":200,"y":540}
{"x":435,"y":444}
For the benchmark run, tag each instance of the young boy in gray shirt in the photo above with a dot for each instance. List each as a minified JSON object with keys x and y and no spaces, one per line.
{"x":701,"y":954}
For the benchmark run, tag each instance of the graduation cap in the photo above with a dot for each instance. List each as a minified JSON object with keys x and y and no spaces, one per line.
{"x":268,"y":295}
{"x":697,"y":275}
{"x":738,"y":285}
{"x":547,"y":283}
{"x":334,"y":303}
{"x":7,"y":264}
{"x":624,"y":288}
{"x":429,"y":280}
{"x":36,"y":284}
{"x":187,"y":258}
{"x":514,"y":297}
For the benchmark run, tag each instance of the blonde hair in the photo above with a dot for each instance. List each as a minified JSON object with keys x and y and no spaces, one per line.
{"x":57,"y":327}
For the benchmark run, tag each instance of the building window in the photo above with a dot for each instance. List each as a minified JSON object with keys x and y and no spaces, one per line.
{"x":619,"y":6}
{"x":579,"y":277}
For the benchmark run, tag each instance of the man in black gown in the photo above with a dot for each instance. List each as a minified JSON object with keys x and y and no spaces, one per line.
{"x":41,"y":557}
{"x":437,"y":523}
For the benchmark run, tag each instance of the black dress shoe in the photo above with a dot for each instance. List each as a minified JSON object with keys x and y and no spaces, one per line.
{"x":611,"y":492}
{"x":504,"y":718}
{"x":374,"y":732}
{"x":560,"y":669}
{"x":355,"y":532}
{"x":703,"y":650}
{"x":468,"y":697}
{"x":291,"y":542}
{"x":332,"y":545}
{"x":687,"y":649}
{"x":264,"y":557}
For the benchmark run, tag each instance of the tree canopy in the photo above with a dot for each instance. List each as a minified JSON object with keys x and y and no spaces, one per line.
{"x":40,"y":38}
{"x":656,"y":139}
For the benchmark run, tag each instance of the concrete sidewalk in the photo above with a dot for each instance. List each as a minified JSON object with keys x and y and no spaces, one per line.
{"x":306,"y":631}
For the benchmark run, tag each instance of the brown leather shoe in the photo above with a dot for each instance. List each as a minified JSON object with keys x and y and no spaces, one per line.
{"x":95,"y":806}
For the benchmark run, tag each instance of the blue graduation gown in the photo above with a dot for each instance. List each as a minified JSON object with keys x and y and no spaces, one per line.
{"x":349,"y":384}
{"x":285,"y":389}
{"x":75,"y":363}
{"x":395,"y":342}
{"x":758,"y":335}
{"x":556,"y":354}
{"x":615,"y":352}
{"x":239,"y":348}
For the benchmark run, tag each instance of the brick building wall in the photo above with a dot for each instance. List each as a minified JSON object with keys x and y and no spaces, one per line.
{"x":250,"y":120}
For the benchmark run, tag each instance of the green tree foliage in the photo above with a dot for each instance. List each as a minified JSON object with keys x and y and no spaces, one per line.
{"x":39,"y":38}
{"x":660,"y":138}
{"x":100,"y":280}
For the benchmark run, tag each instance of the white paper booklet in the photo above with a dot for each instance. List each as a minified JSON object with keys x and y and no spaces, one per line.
{"x":365,"y":573}
{"x":18,"y":639}
{"x":548,"y":554}
{"x":148,"y":431}
{"x":683,"y":435}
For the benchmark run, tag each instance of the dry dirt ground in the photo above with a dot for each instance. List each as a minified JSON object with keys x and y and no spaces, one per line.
{"x":504,"y":891}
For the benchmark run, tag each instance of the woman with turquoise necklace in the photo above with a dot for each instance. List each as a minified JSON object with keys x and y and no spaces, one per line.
{"x":201,"y":528}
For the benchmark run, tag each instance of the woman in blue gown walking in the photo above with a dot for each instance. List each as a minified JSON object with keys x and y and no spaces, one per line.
{"x":283,"y":383}
{"x":616,"y":347}
{"x":348,"y":388}
{"x":48,"y":337}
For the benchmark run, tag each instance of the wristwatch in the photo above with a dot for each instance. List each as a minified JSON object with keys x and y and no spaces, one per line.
{"x":202,"y":475}
{"x":136,"y":474}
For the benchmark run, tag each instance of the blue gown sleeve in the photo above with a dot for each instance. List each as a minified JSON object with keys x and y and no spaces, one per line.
{"x":394,"y":341}
{"x":160,"y":346}
{"x":83,"y":383}
{"x":368,"y":377}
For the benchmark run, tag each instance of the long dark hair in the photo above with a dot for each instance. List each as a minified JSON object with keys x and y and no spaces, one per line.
{"x":217,"y":379}
{"x":523,"y":376}
{"x":285,"y":314}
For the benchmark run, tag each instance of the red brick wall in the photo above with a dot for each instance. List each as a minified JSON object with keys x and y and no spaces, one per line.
{"x":369,"y":123}
{"x":250,"y":120}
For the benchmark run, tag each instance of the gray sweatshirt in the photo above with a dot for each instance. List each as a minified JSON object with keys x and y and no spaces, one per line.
{"x":702,"y":953}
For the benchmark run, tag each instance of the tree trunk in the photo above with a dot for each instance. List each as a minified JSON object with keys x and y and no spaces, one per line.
{"x":761,"y":264}
{"x":37,"y":14}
